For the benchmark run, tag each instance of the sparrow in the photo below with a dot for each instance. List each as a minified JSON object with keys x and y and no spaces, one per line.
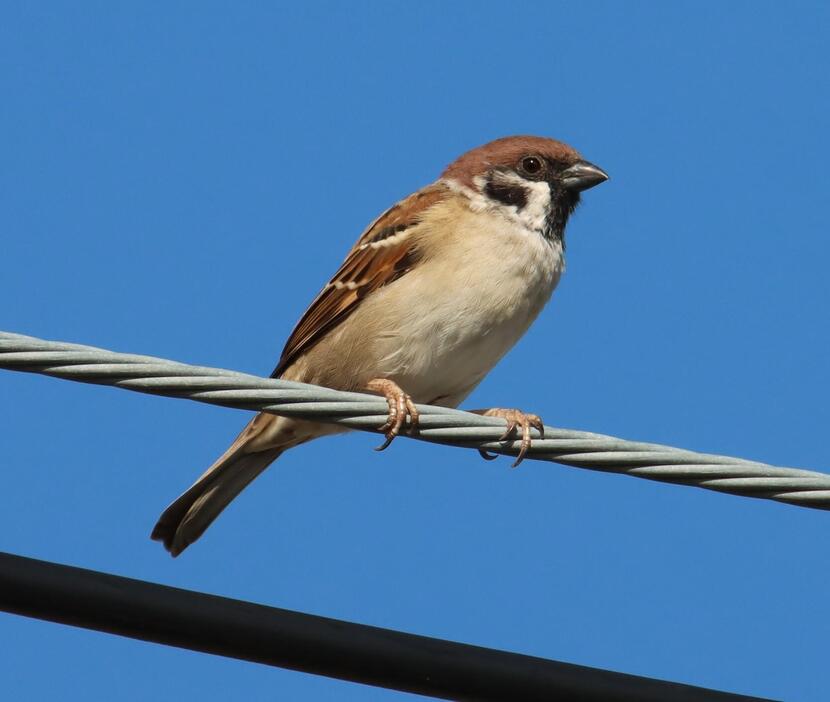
{"x":434,"y":292}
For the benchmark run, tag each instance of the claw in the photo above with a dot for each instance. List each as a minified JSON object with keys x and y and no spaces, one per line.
{"x":515,"y":419}
{"x":400,"y":405}
{"x":512,"y":425}
{"x":389,"y":438}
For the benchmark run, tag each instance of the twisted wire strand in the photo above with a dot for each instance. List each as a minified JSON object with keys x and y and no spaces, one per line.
{"x":441,"y":425}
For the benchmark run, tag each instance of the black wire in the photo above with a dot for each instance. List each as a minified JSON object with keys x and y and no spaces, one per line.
{"x":312,"y":644}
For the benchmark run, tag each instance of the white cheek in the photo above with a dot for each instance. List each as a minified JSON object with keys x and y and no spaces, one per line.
{"x":535,"y":211}
{"x":475,"y":200}
{"x":530,"y":217}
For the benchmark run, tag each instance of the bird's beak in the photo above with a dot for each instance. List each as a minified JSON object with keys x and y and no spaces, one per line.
{"x":581,"y":176}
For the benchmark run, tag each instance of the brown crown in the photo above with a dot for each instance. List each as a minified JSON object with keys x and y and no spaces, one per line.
{"x":507,"y":152}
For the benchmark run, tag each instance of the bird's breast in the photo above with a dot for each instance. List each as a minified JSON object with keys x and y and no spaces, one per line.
{"x":440,"y":329}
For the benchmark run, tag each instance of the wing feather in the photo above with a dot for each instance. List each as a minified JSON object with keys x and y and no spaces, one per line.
{"x":382,"y":254}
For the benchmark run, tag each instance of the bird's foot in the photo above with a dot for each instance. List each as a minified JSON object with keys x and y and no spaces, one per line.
{"x":515,"y":419}
{"x":401,"y":406}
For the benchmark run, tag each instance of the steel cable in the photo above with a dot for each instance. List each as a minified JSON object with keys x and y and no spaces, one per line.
{"x":441,"y":425}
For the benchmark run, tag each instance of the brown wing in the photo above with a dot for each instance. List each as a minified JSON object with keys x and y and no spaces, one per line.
{"x":382,"y":254}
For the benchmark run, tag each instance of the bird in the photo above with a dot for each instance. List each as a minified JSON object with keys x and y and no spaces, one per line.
{"x":432,"y":295}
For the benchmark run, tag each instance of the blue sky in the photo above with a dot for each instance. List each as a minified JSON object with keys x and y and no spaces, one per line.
{"x":180,"y":179}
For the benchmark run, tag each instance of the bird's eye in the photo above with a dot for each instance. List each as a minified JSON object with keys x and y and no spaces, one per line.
{"x":531,"y":164}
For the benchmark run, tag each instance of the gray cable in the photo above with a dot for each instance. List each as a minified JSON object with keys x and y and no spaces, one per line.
{"x":580,"y":449}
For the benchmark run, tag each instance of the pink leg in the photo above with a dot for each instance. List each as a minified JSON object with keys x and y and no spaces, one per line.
{"x":515,"y":419}
{"x":401,"y":406}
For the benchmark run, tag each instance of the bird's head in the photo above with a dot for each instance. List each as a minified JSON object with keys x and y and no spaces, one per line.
{"x":533,"y":179}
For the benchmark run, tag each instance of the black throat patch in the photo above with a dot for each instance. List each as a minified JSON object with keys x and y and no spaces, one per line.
{"x":562,"y":205}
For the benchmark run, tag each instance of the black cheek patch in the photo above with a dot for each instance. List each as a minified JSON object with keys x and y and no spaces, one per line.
{"x":506,"y":194}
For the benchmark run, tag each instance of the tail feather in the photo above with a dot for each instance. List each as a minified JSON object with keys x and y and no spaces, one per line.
{"x":186,"y":519}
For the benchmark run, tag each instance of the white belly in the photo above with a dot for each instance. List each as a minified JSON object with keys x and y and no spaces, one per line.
{"x":445,"y":326}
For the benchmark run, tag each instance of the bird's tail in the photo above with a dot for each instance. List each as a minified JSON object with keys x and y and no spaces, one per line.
{"x":186,"y":519}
